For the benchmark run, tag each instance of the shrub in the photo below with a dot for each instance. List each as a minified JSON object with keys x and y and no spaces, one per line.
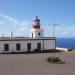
{"x":54,"y":60}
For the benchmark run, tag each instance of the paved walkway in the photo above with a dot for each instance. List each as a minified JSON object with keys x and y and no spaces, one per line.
{"x":34,"y":64}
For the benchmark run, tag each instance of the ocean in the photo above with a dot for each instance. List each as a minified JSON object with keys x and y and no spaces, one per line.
{"x":65,"y":43}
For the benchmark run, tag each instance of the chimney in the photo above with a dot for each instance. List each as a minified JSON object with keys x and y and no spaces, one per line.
{"x":11,"y":34}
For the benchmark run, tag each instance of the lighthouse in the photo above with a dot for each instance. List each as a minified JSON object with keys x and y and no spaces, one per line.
{"x":36,"y":31}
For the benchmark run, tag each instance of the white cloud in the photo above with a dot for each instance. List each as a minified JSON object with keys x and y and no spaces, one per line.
{"x":22,"y":29}
{"x":14,"y":25}
{"x":65,"y":31}
{"x":25,"y":23}
{"x":8,"y":18}
{"x":16,"y":34}
{"x":24,"y":26}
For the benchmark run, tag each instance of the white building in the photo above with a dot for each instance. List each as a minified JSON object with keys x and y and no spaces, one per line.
{"x":36,"y":41}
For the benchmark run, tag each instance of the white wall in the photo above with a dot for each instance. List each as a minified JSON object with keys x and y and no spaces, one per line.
{"x":35,"y":33}
{"x":48,"y":44}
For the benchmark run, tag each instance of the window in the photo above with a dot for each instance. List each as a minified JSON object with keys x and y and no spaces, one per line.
{"x":32,"y":35}
{"x":28,"y":46}
{"x":38,"y":33}
{"x":18,"y":46}
{"x":6,"y":47}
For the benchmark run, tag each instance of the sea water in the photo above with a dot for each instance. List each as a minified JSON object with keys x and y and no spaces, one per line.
{"x":65,"y":43}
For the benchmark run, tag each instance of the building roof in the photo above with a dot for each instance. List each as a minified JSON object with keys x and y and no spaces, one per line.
{"x":25,"y":38}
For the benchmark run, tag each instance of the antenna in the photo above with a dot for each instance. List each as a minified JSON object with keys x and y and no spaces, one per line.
{"x":54,"y":25}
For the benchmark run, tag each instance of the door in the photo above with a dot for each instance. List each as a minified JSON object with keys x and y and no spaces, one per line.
{"x":18,"y":47}
{"x":39,"y":46}
{"x":29,"y":47}
{"x":6,"y":47}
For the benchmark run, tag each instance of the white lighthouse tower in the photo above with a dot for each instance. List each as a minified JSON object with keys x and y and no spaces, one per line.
{"x":36,"y":31}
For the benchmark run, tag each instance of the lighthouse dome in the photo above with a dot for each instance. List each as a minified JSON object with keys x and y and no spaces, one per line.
{"x":36,"y":19}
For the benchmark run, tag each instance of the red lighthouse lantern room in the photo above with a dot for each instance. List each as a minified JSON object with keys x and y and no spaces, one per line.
{"x":36,"y":23}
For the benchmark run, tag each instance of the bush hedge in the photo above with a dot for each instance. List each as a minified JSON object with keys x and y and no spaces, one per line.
{"x":56,"y":60}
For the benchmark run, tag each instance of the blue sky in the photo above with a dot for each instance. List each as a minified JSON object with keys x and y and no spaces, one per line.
{"x":17,"y":16}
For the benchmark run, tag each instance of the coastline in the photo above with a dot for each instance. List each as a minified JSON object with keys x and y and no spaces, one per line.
{"x":72,"y":52}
